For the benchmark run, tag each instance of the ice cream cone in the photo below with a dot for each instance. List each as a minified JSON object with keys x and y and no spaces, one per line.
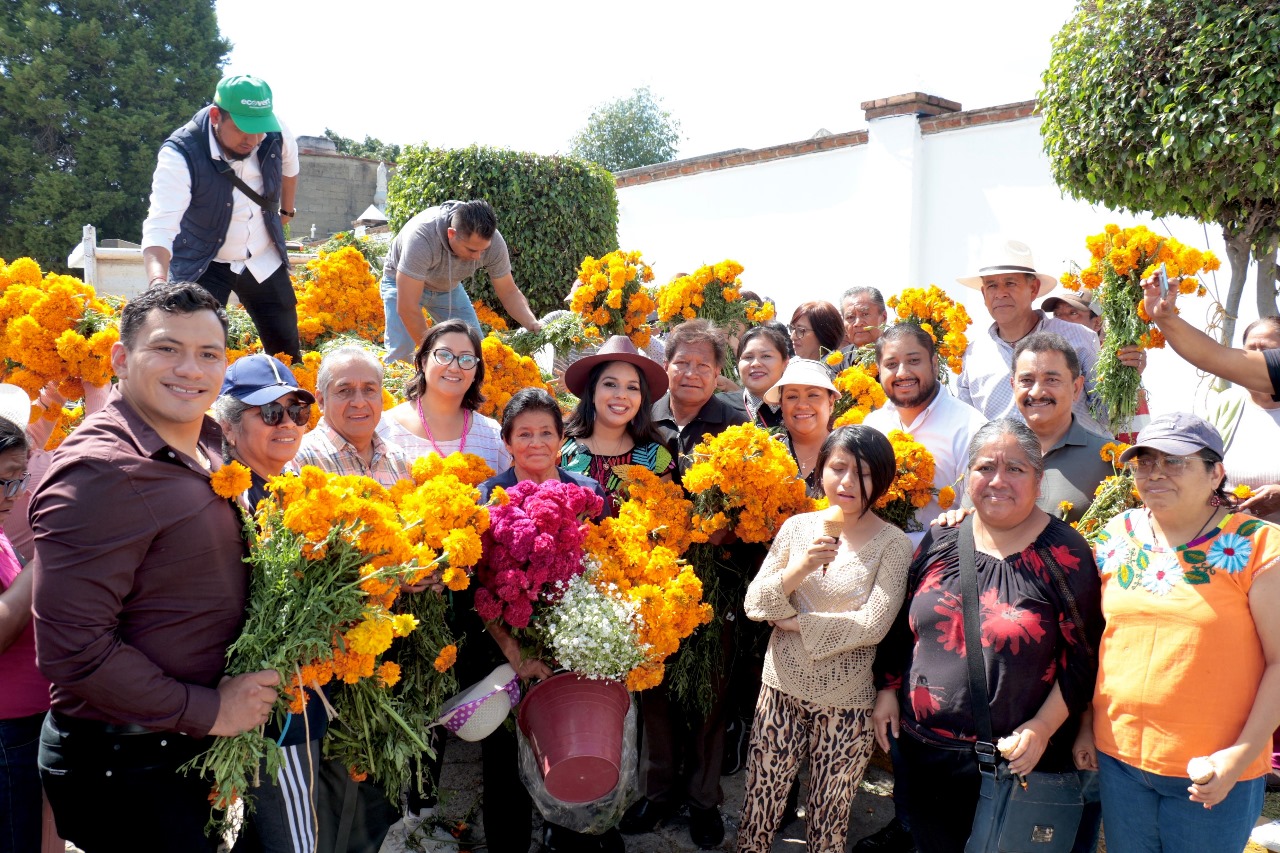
{"x":832,"y":525}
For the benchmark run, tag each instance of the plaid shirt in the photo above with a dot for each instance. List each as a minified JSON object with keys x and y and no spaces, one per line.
{"x":988,"y":367}
{"x":324,"y":448}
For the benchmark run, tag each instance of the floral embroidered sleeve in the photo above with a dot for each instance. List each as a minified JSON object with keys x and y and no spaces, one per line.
{"x":827,"y":634}
{"x":765,"y":600}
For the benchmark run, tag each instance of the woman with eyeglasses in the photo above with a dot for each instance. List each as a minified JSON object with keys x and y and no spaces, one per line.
{"x":439,"y":413}
{"x":25,"y":698}
{"x":1188,"y":690}
{"x":263,"y":414}
{"x":817,"y":329}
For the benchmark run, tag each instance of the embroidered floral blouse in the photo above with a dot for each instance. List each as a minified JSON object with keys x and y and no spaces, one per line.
{"x":1180,"y":659}
{"x":578,"y":458}
{"x":1029,"y":639}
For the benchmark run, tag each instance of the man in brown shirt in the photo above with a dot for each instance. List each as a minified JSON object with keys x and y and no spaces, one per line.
{"x":140,"y":587}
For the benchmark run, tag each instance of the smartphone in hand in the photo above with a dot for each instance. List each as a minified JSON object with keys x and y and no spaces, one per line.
{"x":1164,"y":281}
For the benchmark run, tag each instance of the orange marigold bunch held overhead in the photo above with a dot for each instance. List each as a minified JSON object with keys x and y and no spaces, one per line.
{"x":713,"y":293}
{"x":942,"y":317}
{"x":612,"y":297}
{"x":505,"y":373}
{"x":860,"y":395}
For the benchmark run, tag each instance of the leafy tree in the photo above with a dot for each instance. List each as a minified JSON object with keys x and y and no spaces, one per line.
{"x":628,"y":132}
{"x":89,"y":89}
{"x":374,"y":149}
{"x":552,"y":211}
{"x":1173,"y":107}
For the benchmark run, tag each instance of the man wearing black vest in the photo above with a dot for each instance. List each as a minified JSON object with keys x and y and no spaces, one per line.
{"x":223,"y":188}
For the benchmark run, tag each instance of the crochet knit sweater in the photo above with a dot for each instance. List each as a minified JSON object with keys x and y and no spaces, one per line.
{"x":843,"y":613}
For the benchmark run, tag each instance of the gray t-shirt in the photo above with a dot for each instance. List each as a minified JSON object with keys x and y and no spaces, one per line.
{"x":421,"y":250}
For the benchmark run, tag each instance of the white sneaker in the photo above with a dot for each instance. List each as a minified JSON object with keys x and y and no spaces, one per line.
{"x":1267,"y":835}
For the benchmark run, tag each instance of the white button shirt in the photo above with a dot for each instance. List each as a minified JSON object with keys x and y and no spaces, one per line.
{"x":248,"y":242}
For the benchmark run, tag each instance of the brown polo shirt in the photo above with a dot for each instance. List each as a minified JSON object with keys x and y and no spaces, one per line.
{"x":140,"y":580}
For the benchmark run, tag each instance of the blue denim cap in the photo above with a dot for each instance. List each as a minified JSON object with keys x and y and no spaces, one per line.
{"x":1176,"y":434}
{"x":260,"y":378}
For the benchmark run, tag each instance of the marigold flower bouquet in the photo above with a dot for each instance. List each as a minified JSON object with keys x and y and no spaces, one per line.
{"x":942,"y":317}
{"x":713,"y":293}
{"x":534,"y":542}
{"x":637,"y":554}
{"x":337,"y":293}
{"x":490,"y":320}
{"x":860,"y":395}
{"x":612,"y":298}
{"x":912,"y":488}
{"x":1119,"y":259}
{"x":505,"y":373}
{"x":1115,"y":494}
{"x":54,"y":328}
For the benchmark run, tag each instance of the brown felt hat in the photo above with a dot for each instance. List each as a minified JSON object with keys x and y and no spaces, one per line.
{"x":617,"y":348}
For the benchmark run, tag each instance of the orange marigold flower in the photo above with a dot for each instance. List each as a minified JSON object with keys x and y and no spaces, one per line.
{"x":231,"y":480}
{"x":447,"y":658}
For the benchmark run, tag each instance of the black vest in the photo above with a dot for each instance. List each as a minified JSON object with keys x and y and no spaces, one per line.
{"x":205,"y":222}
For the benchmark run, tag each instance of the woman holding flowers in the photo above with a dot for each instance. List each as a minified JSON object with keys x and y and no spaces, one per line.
{"x":830,"y":599}
{"x":532,"y":430}
{"x":817,"y":329}
{"x":612,"y":427}
{"x":1183,"y":742}
{"x":806,"y":395}
{"x":763,"y":352}
{"x":439,"y":414}
{"x":1034,"y":572}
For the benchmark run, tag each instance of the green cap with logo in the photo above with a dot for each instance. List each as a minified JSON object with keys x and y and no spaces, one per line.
{"x":248,"y":101}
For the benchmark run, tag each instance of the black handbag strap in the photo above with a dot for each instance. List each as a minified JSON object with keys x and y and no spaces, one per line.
{"x":268,"y":205}
{"x":978,"y":695}
{"x":1060,"y":579}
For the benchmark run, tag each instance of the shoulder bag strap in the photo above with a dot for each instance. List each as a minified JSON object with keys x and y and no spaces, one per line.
{"x":267,"y":205}
{"x":978,"y":695}
{"x":1060,"y":579}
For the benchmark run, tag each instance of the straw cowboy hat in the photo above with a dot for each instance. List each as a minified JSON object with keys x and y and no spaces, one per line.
{"x":617,"y":348}
{"x":15,"y":405}
{"x":1010,"y":256}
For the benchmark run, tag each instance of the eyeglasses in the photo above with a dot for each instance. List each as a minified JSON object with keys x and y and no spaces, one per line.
{"x":272,"y":413}
{"x":800,"y":331}
{"x":1171,"y":466}
{"x":13,"y":488}
{"x":466,"y":361}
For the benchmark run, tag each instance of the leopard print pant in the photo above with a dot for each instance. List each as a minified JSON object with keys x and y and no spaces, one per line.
{"x":838,"y":742}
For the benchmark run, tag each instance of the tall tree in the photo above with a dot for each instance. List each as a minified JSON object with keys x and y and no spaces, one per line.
{"x":628,"y":132}
{"x":89,"y":89}
{"x":372,"y":148}
{"x":1173,"y":107}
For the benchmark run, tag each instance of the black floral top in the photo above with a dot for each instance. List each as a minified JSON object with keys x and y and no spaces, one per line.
{"x":1029,"y":639}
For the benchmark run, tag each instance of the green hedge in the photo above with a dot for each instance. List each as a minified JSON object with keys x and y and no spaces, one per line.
{"x":552,"y":211}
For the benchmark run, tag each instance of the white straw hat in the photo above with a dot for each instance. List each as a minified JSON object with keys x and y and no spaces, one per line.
{"x":476,"y":712}
{"x":1008,"y":256}
{"x":801,"y":371}
{"x":15,"y":405}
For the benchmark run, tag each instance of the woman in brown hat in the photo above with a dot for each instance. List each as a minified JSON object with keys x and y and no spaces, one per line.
{"x":612,"y":426}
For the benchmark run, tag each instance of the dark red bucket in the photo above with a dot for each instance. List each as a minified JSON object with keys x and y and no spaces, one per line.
{"x":574,"y":726}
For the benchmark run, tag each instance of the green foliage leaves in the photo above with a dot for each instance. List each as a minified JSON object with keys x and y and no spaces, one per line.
{"x":1171,"y":107}
{"x":89,"y":89}
{"x":628,"y":132}
{"x":552,"y":211}
{"x":373,"y":149}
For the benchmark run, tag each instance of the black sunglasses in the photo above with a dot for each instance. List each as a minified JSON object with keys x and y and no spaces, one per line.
{"x":272,"y":413}
{"x":13,"y":488}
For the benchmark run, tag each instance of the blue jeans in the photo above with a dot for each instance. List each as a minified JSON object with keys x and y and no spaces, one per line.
{"x":441,"y":307}
{"x":20,"y":797}
{"x":1146,"y":813}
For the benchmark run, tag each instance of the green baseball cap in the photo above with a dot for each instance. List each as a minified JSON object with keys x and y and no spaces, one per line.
{"x":248,"y":101}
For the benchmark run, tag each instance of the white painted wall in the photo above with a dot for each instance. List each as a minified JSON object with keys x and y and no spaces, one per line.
{"x":902,"y":210}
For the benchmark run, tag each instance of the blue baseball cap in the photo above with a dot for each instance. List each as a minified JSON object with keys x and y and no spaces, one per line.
{"x":1176,"y":434}
{"x":260,"y":378}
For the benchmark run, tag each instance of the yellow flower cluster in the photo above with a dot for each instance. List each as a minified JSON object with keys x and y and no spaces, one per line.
{"x":938,"y":314}
{"x":1138,"y":251}
{"x":505,"y":373}
{"x":441,"y":515}
{"x":337,"y":294}
{"x":612,"y":298}
{"x":231,"y":480}
{"x":912,"y":487}
{"x":860,"y":395}
{"x":713,"y":293}
{"x":639,"y":554}
{"x":745,"y":480}
{"x":53,"y":329}
{"x":490,"y":320}
{"x":1115,"y":494}
{"x":1242,"y":492}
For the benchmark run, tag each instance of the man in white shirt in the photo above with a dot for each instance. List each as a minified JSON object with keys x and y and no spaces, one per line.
{"x":222,"y":190}
{"x":1009,"y":285}
{"x":908,"y":362}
